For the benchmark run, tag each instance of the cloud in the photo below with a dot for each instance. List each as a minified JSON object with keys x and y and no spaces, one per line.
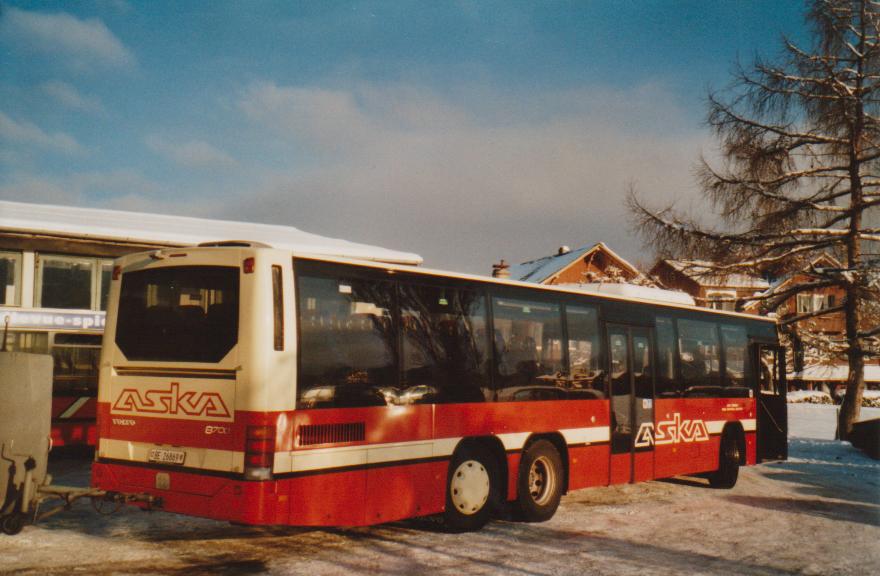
{"x":469,"y":178}
{"x":191,"y":154}
{"x":69,"y":96}
{"x":23,"y":132}
{"x":81,"y":44}
{"x":123,"y":189}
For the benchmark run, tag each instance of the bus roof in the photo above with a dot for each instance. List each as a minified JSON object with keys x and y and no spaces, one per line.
{"x":123,"y":226}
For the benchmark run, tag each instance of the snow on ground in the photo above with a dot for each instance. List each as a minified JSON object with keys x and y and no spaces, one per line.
{"x":817,"y":513}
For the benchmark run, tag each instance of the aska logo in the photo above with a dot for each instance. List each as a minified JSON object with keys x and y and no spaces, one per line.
{"x":172,"y":401}
{"x":672,"y":432}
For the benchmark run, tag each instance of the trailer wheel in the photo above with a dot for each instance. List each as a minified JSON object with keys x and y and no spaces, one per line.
{"x":539,"y":487}
{"x":471,"y":489}
{"x":12,"y":524}
{"x":728,"y":462}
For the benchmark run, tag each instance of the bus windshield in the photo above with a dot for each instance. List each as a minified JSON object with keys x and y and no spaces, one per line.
{"x":178,"y":314}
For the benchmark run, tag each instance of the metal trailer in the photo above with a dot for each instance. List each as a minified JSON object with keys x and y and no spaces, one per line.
{"x":25,"y":442}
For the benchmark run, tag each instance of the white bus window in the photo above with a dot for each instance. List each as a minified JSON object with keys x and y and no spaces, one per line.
{"x":444,"y":345}
{"x":666,"y":385}
{"x":584,"y":352}
{"x":699,"y":354}
{"x":10,"y":278}
{"x":528,"y":350}
{"x":736,"y":343}
{"x":178,"y":314}
{"x":348,"y":344}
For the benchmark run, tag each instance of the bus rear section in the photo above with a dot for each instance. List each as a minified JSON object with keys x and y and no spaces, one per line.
{"x":178,"y":416}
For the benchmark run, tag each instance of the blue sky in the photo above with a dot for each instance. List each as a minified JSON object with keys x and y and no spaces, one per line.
{"x":464,"y":131}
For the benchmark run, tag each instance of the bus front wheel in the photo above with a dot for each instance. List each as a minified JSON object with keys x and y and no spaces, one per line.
{"x":728,"y":462}
{"x":539,"y":486}
{"x":471,"y":489}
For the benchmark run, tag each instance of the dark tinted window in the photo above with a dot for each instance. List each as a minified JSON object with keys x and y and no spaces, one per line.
{"x":348,"y":344}
{"x":586,"y":379}
{"x":178,"y":314}
{"x":66,"y":283}
{"x":699,"y":355}
{"x":444,"y":345}
{"x":106,"y":274}
{"x":528,"y":348}
{"x":666,"y":384}
{"x":277,"y":308}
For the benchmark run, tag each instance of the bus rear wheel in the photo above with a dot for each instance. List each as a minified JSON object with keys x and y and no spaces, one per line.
{"x":471,"y":489}
{"x":728,"y":462}
{"x":539,"y":486}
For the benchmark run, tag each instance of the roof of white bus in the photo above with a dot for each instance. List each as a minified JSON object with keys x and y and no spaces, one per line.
{"x":120,"y":226}
{"x":568,"y":289}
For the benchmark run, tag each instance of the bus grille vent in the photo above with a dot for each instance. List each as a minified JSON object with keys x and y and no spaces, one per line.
{"x":312,"y":434}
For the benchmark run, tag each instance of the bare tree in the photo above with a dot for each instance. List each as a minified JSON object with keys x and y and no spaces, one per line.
{"x":800,"y":171}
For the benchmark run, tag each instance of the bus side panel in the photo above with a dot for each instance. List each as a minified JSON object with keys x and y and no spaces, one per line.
{"x":73,"y":420}
{"x":397,"y":492}
{"x":687,"y":432}
{"x":330,"y":499}
{"x":588,"y":466}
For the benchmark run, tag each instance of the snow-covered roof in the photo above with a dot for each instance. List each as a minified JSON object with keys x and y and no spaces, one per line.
{"x":837,"y":372}
{"x":634,"y":291}
{"x":116,"y":225}
{"x":702,"y":273}
{"x":541,"y":269}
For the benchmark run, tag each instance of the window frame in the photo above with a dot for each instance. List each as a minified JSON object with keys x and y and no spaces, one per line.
{"x":95,"y":281}
{"x":17,"y":258}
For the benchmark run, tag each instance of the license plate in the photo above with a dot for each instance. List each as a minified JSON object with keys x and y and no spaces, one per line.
{"x":163,"y":456}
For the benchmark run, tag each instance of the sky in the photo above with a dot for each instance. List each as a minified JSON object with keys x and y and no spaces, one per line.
{"x":464,"y":131}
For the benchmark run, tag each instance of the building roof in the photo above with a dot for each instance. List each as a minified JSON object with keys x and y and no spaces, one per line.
{"x":544,"y":268}
{"x":836,"y":372}
{"x":121,"y":226}
{"x":702,"y":273}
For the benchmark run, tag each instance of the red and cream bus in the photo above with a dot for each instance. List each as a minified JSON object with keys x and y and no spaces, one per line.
{"x":261,"y":386}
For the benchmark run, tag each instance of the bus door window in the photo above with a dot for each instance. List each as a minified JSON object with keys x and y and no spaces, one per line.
{"x":528,"y":350}
{"x":586,"y":378}
{"x":76,"y":358}
{"x":444,"y":345}
{"x":699,"y":355}
{"x":348,"y":342}
{"x":621,"y":392}
{"x":768,"y":377}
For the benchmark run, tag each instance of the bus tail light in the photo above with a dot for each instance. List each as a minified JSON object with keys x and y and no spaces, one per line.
{"x":248,"y":265}
{"x":259,"y":452}
{"x":117,"y":270}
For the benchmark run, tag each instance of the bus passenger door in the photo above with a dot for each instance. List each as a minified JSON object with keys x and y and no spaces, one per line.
{"x":632,"y":404}
{"x":772,"y":411}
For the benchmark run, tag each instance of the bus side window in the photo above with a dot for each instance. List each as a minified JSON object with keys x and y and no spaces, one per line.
{"x":667,"y":386}
{"x":700,"y":357}
{"x":585,"y":376}
{"x":736,"y":359}
{"x":444,"y":345}
{"x":528,"y":350}
{"x":348,"y":342}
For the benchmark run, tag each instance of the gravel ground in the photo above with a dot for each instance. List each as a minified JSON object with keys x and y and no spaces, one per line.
{"x":817,"y":513}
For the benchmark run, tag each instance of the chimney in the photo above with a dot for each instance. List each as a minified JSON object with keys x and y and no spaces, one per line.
{"x":501,"y":270}
{"x":563,"y":250}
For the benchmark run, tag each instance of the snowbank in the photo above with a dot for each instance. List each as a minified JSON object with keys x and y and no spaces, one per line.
{"x":809,"y":397}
